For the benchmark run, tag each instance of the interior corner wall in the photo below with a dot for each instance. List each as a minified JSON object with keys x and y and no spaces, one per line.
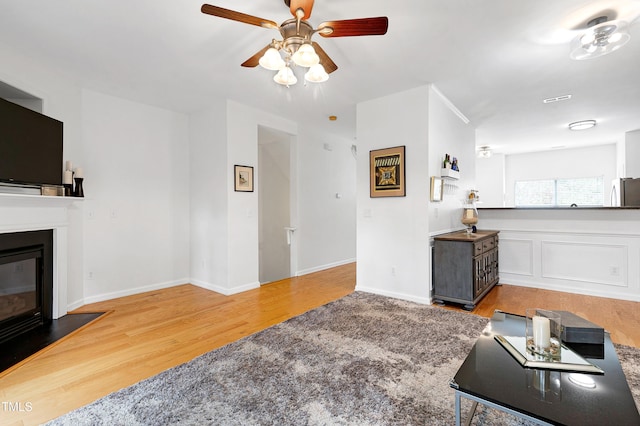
{"x":327,"y":200}
{"x":208,"y":205}
{"x":449,"y":134}
{"x":242,"y":207}
{"x":632,"y":154}
{"x":490,"y":180}
{"x":393,"y":232}
{"x":136,"y":228}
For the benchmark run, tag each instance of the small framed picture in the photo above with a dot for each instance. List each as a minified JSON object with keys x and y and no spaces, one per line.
{"x":243,"y":178}
{"x":437,"y":184}
{"x":387,"y":176}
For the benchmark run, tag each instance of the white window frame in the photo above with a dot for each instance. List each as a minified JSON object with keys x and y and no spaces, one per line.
{"x":551,"y":199}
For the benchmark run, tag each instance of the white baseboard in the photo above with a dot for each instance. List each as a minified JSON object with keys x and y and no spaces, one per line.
{"x":513,"y":280}
{"x":203,"y":284}
{"x":128,"y":292}
{"x":401,"y":296}
{"x":223,"y":290}
{"x":323,"y":267}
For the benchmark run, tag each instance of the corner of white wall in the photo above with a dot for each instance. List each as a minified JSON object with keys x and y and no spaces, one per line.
{"x":393,"y":232}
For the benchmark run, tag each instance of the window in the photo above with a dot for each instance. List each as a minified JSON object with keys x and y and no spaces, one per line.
{"x":560,"y":192}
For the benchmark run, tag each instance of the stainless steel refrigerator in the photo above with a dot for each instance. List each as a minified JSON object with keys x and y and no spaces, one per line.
{"x":625,"y":192}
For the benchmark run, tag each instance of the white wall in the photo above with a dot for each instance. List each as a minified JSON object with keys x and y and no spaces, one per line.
{"x":393,"y":232}
{"x":136,"y":231}
{"x":490,"y":180}
{"x":393,"y":239}
{"x":632,"y":155}
{"x":327,"y":224}
{"x":143,"y":166}
{"x":449,"y":134}
{"x":591,"y":161}
{"x":209,"y":266}
{"x":242,"y":143}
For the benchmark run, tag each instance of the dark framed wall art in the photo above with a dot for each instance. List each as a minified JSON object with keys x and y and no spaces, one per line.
{"x":387,"y":174}
{"x":243,"y":178}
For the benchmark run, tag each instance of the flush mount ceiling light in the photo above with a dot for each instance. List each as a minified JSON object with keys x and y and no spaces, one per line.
{"x":484,"y":152}
{"x":296,"y":47}
{"x":601,"y":37}
{"x":556,"y":99}
{"x":582,"y":125}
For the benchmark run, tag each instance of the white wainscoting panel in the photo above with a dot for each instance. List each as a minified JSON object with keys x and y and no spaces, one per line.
{"x":591,"y":263}
{"x":516,"y":256}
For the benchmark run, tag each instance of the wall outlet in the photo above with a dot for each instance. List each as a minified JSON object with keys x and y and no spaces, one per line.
{"x":90,"y":275}
{"x":614,"y":271}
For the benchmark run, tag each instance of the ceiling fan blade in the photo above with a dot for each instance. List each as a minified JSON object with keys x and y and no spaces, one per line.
{"x":354,"y":27}
{"x":325,"y":60}
{"x":237,"y":16}
{"x":254,"y":60}
{"x":305,"y":5}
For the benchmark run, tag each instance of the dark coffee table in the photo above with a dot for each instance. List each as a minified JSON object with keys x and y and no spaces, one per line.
{"x":491,"y":376}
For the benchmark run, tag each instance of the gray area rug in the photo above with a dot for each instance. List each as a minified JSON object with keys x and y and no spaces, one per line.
{"x":361,"y":360}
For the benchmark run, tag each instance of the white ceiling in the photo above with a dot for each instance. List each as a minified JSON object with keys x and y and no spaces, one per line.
{"x":496,"y":60}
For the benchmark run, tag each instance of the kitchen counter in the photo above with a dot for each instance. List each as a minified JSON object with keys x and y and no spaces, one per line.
{"x":592,"y":251}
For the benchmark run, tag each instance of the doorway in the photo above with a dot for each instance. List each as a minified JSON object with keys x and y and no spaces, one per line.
{"x":276,"y":234}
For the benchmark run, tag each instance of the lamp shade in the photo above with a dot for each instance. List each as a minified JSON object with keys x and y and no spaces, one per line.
{"x":285,"y":77}
{"x":316,"y":74}
{"x":272,"y":60}
{"x":305,"y":56}
{"x":599,"y":40}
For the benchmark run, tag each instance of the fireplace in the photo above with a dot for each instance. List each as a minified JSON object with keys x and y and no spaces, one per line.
{"x":26,"y":281}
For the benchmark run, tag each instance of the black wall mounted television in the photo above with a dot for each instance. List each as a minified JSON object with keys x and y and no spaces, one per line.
{"x":30,"y":146}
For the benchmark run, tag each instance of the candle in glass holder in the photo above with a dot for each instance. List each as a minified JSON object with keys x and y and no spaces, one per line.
{"x":541,"y":332}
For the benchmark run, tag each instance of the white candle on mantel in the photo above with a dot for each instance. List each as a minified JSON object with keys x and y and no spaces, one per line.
{"x":79,"y":172}
{"x":69,"y":166}
{"x":541,"y":332}
{"x":68,"y":177}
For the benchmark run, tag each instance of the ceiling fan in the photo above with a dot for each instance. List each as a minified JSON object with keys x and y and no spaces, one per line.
{"x":296,"y":45}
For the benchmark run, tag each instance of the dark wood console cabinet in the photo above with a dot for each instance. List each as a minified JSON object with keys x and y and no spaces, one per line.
{"x":465,"y":267}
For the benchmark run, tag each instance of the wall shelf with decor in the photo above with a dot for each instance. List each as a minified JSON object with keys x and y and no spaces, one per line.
{"x":450,"y":174}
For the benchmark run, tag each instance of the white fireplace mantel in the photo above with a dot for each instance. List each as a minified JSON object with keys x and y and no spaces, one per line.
{"x":23,"y":212}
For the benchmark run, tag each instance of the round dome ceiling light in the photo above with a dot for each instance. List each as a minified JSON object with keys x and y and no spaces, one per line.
{"x":582,"y":125}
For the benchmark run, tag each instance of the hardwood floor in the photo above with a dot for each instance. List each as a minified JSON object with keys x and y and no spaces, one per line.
{"x":147,"y":333}
{"x":621,"y":318}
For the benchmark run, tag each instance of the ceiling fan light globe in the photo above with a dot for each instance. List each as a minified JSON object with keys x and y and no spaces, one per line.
{"x":306,"y":56}
{"x":316,"y":74}
{"x":285,"y":77}
{"x":272,"y":60}
{"x":588,"y":38}
{"x":615,"y":37}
